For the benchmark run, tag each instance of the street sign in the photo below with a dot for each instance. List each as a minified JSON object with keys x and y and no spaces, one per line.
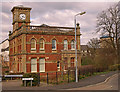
{"x":13,"y":75}
{"x":27,"y":78}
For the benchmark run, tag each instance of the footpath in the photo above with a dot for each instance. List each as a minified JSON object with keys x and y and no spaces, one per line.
{"x":91,"y":80}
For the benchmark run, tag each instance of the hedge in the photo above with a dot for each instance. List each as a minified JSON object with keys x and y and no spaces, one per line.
{"x":35,"y":77}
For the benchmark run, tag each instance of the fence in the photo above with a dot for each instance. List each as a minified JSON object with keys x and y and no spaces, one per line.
{"x":63,"y":77}
{"x":68,"y":75}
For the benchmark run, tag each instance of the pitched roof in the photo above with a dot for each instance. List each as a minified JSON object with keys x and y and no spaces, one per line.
{"x":84,"y":47}
{"x":4,"y":41}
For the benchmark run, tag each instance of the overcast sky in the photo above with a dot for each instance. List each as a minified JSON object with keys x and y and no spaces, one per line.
{"x":57,"y":14}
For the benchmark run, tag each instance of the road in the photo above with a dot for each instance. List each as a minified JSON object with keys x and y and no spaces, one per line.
{"x":111,"y":83}
{"x":84,"y":84}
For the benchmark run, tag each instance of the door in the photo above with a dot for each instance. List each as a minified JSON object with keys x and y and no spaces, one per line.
{"x":42,"y":65}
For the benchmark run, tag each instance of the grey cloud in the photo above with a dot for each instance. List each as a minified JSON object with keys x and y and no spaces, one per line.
{"x":58,"y":14}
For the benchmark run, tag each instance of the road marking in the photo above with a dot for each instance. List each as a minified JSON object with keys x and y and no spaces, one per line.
{"x":103,"y":81}
{"x":98,"y":83}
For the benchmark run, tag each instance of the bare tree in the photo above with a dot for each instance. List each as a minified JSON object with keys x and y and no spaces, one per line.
{"x":93,"y":46}
{"x":104,"y":57}
{"x":108,"y":23}
{"x":101,"y":57}
{"x":93,"y":43}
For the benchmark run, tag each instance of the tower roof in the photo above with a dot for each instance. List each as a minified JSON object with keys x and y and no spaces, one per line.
{"x":20,"y":7}
{"x":104,"y":37}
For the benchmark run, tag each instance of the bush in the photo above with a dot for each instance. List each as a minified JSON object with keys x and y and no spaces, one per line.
{"x":86,"y":61}
{"x":6,"y":71}
{"x":3,"y":78}
{"x":114,"y":67}
{"x":35,"y":78}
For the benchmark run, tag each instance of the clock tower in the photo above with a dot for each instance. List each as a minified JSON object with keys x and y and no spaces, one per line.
{"x":20,"y":14}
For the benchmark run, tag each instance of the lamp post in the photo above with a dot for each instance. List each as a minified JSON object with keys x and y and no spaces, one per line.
{"x":76,"y":43}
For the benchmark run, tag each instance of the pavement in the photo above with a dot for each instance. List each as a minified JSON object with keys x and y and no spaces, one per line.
{"x":91,"y":80}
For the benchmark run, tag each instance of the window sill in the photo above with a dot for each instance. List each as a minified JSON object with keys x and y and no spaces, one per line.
{"x":33,"y":71}
{"x":53,"y":49}
{"x":72,"y":49}
{"x":42,"y":49}
{"x":33,"y":49}
{"x":41,"y":72}
{"x":66,"y":49}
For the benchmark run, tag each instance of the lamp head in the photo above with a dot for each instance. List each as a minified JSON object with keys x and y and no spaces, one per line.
{"x":82,"y":13}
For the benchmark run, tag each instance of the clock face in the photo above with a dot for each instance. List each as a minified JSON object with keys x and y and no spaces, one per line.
{"x":22,"y":16}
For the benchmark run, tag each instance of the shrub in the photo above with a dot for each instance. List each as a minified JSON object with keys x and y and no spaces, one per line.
{"x":81,"y":76}
{"x":86,"y":61}
{"x":6,"y":71}
{"x":34,"y":76}
{"x":114,"y":67}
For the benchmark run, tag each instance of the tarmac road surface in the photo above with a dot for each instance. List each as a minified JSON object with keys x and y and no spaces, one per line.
{"x":83,"y":84}
{"x":111,"y":83}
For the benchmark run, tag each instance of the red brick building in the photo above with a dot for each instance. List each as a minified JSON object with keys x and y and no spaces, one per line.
{"x":40,"y":48}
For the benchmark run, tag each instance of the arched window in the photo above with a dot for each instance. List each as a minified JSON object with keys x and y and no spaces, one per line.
{"x":33,"y":44}
{"x":42,"y":44}
{"x":65,"y":45}
{"x":53,"y":44}
{"x":72,"y":45}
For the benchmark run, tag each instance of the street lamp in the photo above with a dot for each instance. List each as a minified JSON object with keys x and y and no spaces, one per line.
{"x":76,"y":43}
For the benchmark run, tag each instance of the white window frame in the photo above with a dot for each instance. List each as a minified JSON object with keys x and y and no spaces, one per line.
{"x":43,"y":45}
{"x":72,"y":44}
{"x":40,"y":64}
{"x":34,"y":62}
{"x":55,"y":45}
{"x":35,"y":45}
{"x":65,"y":45}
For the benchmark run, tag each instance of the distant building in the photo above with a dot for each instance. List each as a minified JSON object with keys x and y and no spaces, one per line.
{"x":105,"y":41}
{"x":84,"y":50}
{"x":4,"y":50}
{"x":41,"y":48}
{"x":4,"y":55}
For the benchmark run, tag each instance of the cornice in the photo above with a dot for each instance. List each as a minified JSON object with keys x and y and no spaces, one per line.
{"x":33,"y":54}
{"x":41,"y":33}
{"x":69,"y":52}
